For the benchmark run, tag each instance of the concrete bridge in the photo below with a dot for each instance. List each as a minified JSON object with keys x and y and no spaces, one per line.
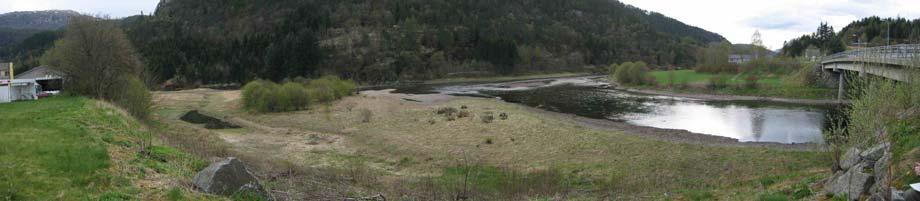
{"x":891,"y":62}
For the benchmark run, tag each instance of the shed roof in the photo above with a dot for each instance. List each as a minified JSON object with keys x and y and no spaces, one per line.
{"x":41,"y":72}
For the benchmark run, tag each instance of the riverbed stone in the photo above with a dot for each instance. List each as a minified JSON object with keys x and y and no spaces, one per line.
{"x":850,"y":158}
{"x":853,"y":183}
{"x":228,"y":177}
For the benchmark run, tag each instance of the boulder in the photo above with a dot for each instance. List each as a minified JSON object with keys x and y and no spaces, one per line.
{"x":853,"y":183}
{"x":228,"y":177}
{"x":850,"y":158}
{"x":881,"y":174}
{"x":875,"y":152}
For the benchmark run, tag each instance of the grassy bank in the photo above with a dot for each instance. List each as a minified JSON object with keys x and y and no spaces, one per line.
{"x":68,"y":148}
{"x":501,"y":78}
{"x":407,"y":149}
{"x":768,"y":85}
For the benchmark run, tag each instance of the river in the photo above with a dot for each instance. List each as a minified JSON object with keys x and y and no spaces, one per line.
{"x":747,"y":121}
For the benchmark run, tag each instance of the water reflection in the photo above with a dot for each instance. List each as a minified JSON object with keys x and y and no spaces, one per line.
{"x":745,"y":123}
{"x":743,"y":120}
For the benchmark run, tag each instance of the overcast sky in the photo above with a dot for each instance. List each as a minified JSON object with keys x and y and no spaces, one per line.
{"x":777,"y":20}
{"x":114,"y":8}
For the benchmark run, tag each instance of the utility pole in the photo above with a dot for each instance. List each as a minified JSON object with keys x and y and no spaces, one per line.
{"x":10,"y":85}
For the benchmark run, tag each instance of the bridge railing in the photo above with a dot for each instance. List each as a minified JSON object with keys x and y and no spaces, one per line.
{"x":904,"y":54}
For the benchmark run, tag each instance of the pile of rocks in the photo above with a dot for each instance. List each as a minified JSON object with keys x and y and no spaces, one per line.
{"x":862,"y":173}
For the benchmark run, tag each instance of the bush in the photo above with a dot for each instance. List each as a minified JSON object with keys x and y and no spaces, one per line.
{"x":135,"y":98}
{"x":293,"y":96}
{"x":330,"y":88}
{"x":267,"y":96}
{"x":630,"y":73}
{"x":717,"y":82}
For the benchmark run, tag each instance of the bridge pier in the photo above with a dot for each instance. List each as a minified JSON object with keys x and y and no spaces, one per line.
{"x":841,"y":85}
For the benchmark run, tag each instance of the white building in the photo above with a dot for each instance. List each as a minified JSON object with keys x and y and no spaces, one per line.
{"x":18,"y":90}
{"x":740,"y":58}
{"x":30,"y":85}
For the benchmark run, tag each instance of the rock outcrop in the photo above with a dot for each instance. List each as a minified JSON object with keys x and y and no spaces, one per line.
{"x":228,"y":177}
{"x":862,"y":174}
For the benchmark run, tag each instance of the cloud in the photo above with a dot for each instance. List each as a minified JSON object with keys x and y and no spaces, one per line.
{"x":777,"y":22}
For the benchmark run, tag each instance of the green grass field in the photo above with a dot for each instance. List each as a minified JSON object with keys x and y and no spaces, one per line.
{"x":769,"y":85}
{"x":693,"y":77}
{"x":70,"y":148}
{"x":48,"y":152}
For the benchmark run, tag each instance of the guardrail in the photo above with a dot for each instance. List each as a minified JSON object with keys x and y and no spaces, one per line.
{"x":904,"y":54}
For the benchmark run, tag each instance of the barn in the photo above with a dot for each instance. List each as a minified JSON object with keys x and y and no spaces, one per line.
{"x":30,"y":85}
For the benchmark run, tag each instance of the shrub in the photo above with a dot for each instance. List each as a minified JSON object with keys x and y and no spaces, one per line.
{"x":267,"y":96}
{"x":630,"y":73}
{"x":717,"y":82}
{"x":293,"y":96}
{"x":135,"y":98}
{"x":330,"y":88}
{"x":260,"y":96}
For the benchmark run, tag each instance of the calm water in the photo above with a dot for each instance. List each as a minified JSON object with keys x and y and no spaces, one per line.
{"x":743,"y":120}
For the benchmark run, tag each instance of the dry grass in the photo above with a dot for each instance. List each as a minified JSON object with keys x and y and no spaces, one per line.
{"x":401,"y":148}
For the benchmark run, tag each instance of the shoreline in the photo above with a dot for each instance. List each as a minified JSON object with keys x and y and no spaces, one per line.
{"x":651,"y":133}
{"x":720,"y":97}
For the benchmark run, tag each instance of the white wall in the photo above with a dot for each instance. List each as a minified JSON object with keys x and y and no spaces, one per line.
{"x":4,"y":94}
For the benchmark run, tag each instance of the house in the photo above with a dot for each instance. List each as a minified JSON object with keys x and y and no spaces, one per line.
{"x":740,"y":58}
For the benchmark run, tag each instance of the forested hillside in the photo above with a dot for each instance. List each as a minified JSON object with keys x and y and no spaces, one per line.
{"x":211,"y":41}
{"x":869,"y":32}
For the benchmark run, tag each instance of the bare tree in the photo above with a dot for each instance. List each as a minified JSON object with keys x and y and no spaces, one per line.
{"x":96,"y":56}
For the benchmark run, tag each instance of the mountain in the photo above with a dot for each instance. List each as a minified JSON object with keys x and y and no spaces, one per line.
{"x":25,"y":35}
{"x":36,"y":20}
{"x":16,"y":27}
{"x":380,"y":41}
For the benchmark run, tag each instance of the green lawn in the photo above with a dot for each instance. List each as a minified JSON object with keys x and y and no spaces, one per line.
{"x":70,"y":148}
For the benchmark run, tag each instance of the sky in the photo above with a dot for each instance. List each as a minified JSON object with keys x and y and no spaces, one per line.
{"x":777,"y":20}
{"x":112,"y":8}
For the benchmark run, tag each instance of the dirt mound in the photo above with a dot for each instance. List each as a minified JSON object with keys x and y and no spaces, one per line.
{"x":209,"y":122}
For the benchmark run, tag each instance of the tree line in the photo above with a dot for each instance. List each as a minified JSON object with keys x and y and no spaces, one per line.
{"x":866,"y":32}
